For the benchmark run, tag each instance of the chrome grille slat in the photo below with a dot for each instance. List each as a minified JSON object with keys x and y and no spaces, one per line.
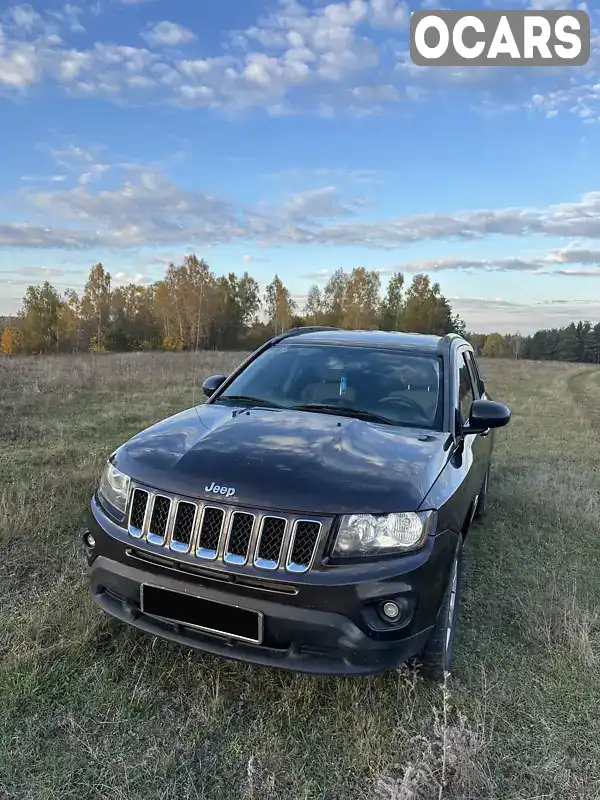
{"x":159,"y":519}
{"x":184,"y":522}
{"x":242,"y":537}
{"x":303,"y":545}
{"x":270,"y":542}
{"x":209,"y":534}
{"x":239,"y":537}
{"x":138,"y":512}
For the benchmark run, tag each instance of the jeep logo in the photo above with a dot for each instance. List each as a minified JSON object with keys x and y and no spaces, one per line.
{"x":226,"y":490}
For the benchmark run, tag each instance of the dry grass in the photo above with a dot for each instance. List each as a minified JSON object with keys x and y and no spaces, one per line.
{"x":91,"y":709}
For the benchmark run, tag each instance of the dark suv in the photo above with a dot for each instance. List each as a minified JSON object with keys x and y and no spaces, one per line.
{"x":311,"y":513}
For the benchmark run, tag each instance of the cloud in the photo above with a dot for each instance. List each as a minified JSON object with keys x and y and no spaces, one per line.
{"x":249,"y":259}
{"x":318,"y":203}
{"x":487,"y":315}
{"x":43,"y":178}
{"x":296,"y":175}
{"x":578,"y":219}
{"x":24,"y":16}
{"x":139,"y":205}
{"x":540,"y":266}
{"x":389,"y":14}
{"x":70,"y":155}
{"x":169,"y":34}
{"x":25,"y":274}
{"x":94,"y":172}
{"x":345,"y":57}
{"x":318,"y":275}
{"x":574,"y":255}
{"x":69,"y":16}
{"x":124,"y":279}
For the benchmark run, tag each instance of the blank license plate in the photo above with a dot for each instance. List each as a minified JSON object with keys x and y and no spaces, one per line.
{"x":206,"y":615}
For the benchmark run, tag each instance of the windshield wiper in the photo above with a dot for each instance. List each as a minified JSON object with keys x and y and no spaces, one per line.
{"x":251,"y":401}
{"x":357,"y":413}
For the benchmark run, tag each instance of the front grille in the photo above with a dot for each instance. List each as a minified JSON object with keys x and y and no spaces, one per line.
{"x":224,"y":534}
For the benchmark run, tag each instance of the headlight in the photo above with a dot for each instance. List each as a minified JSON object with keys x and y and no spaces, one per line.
{"x":365,"y":534}
{"x":114,"y":487}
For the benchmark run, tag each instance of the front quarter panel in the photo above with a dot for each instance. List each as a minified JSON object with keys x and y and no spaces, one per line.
{"x":450,"y":493}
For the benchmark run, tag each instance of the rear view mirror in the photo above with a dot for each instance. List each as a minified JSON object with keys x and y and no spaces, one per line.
{"x":485,"y":414}
{"x":210,"y":385}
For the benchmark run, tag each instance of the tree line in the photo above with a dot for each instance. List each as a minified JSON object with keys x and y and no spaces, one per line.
{"x":193,"y":308}
{"x":577,"y":342}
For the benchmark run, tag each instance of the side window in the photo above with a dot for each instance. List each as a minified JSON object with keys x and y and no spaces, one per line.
{"x":476,"y":380}
{"x":465,"y":388}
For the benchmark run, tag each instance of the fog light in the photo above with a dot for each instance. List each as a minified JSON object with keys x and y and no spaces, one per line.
{"x":89,"y":540}
{"x":391,"y":611}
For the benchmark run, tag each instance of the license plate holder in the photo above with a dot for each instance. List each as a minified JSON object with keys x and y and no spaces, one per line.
{"x":209,"y":616}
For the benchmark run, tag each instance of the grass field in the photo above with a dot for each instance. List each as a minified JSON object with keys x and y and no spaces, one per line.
{"x":92,"y":709}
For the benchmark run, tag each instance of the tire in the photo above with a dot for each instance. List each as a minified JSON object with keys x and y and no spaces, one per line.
{"x":436,"y":657}
{"x":481,"y":506}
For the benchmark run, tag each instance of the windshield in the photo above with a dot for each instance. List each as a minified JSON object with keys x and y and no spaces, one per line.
{"x":401,"y":388}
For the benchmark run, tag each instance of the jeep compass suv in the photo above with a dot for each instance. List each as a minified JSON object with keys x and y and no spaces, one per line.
{"x":311,"y":513}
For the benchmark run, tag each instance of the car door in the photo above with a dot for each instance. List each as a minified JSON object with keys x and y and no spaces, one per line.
{"x":477,"y":447}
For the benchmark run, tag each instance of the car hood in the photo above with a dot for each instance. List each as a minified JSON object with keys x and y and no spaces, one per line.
{"x":288,"y":460}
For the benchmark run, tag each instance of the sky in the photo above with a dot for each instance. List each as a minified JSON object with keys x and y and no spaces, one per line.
{"x":295,"y":137}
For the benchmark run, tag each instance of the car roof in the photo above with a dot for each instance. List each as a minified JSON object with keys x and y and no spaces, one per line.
{"x":384,"y":339}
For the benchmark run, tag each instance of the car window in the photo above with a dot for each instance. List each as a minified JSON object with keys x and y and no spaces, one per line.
{"x":466,"y":393}
{"x":406,"y":388}
{"x":476,"y":379}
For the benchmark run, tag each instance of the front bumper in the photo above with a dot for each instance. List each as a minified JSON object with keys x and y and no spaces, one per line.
{"x":322,"y":622}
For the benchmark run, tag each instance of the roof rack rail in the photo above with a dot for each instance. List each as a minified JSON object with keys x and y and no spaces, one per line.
{"x":304,"y":329}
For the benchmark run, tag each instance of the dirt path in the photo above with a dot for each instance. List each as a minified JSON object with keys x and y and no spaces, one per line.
{"x":585,"y":389}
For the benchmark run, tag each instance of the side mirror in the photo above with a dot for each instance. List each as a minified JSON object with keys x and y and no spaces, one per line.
{"x":210,"y":385}
{"x":485,"y":414}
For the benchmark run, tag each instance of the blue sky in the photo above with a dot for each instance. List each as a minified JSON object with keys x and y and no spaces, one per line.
{"x":294,"y":137}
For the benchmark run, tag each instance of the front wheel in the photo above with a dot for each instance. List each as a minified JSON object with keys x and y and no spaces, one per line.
{"x":436,"y":657}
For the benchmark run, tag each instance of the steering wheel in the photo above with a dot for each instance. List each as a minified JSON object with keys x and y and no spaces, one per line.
{"x":409,"y":402}
{"x":337,"y":400}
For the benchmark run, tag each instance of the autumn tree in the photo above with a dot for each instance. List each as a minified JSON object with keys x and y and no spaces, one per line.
{"x":361,"y":299}
{"x":495,"y":346}
{"x":133,"y":319}
{"x":10,"y":341}
{"x":96,"y":306}
{"x":313,"y":308}
{"x":334,"y":296}
{"x":426,"y":309}
{"x":41,"y":314}
{"x":279,"y":305}
{"x":237,"y":302}
{"x":392,"y":307}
